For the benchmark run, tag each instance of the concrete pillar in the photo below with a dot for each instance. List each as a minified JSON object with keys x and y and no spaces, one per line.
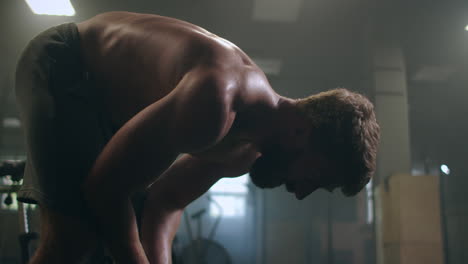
{"x":391,"y":102}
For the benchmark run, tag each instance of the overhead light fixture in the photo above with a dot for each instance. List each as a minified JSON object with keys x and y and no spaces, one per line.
{"x":433,"y":73}
{"x":11,"y":122}
{"x":277,"y":10}
{"x":268,"y":66}
{"x":51,"y":7}
{"x":466,"y":28}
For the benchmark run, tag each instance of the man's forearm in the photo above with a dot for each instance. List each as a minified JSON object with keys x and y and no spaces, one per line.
{"x":158,"y":231}
{"x":183,"y":182}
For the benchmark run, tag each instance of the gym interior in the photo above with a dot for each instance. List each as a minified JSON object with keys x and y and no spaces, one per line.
{"x":409,"y":57}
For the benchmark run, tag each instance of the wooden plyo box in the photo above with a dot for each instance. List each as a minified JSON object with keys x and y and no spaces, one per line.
{"x":408,"y":225}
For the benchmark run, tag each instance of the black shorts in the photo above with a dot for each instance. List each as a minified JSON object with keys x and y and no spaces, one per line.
{"x":62,"y":117}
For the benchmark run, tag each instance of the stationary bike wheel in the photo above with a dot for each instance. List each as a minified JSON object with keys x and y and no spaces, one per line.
{"x":204,"y":251}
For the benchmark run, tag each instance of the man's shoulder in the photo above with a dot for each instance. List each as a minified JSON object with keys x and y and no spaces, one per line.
{"x":228,"y":87}
{"x":203,"y":107}
{"x":211,"y":83}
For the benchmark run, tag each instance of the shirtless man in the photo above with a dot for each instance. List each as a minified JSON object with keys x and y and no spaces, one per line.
{"x":128,"y":102}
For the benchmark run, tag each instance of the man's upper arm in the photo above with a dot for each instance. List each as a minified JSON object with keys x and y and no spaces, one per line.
{"x":202,"y":110}
{"x":191,"y":118}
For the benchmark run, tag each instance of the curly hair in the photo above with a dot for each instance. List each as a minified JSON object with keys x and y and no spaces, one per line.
{"x":346,"y":131}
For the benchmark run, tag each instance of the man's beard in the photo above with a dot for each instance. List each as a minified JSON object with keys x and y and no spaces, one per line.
{"x":270,"y":170}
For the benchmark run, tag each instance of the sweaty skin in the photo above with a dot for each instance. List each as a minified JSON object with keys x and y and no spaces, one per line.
{"x":140,"y":58}
{"x":173,"y":88}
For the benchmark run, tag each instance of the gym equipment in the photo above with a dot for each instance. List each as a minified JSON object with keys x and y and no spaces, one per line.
{"x":15,"y":170}
{"x":203,"y":250}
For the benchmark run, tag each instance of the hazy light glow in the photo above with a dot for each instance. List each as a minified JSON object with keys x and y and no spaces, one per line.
{"x":51,"y":7}
{"x":231,"y":185}
{"x":370,"y":202}
{"x":230,"y":194}
{"x":268,"y":66}
{"x":277,"y":10}
{"x":445,"y":169}
{"x":466,"y":28}
{"x":232,"y":206}
{"x":11,"y":122}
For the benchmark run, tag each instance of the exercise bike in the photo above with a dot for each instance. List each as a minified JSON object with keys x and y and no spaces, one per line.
{"x":203,"y":250}
{"x":15,"y":170}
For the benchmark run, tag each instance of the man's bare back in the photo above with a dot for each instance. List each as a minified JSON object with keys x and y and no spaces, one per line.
{"x":140,"y":58}
{"x":173,"y":88}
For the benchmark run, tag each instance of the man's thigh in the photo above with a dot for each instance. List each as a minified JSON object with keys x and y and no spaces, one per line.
{"x":66,"y":239}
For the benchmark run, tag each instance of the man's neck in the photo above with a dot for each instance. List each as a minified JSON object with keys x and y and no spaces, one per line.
{"x":263,"y":121}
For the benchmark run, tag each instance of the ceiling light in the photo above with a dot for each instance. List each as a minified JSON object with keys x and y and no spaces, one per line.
{"x":11,"y":122}
{"x":268,"y":66}
{"x":51,"y":7}
{"x":277,"y":10}
{"x":466,"y":28}
{"x":433,"y":73}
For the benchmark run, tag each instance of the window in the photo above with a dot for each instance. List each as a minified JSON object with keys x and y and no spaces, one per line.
{"x":229,"y":196}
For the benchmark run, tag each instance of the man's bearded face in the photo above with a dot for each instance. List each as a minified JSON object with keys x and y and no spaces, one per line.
{"x":270,"y":170}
